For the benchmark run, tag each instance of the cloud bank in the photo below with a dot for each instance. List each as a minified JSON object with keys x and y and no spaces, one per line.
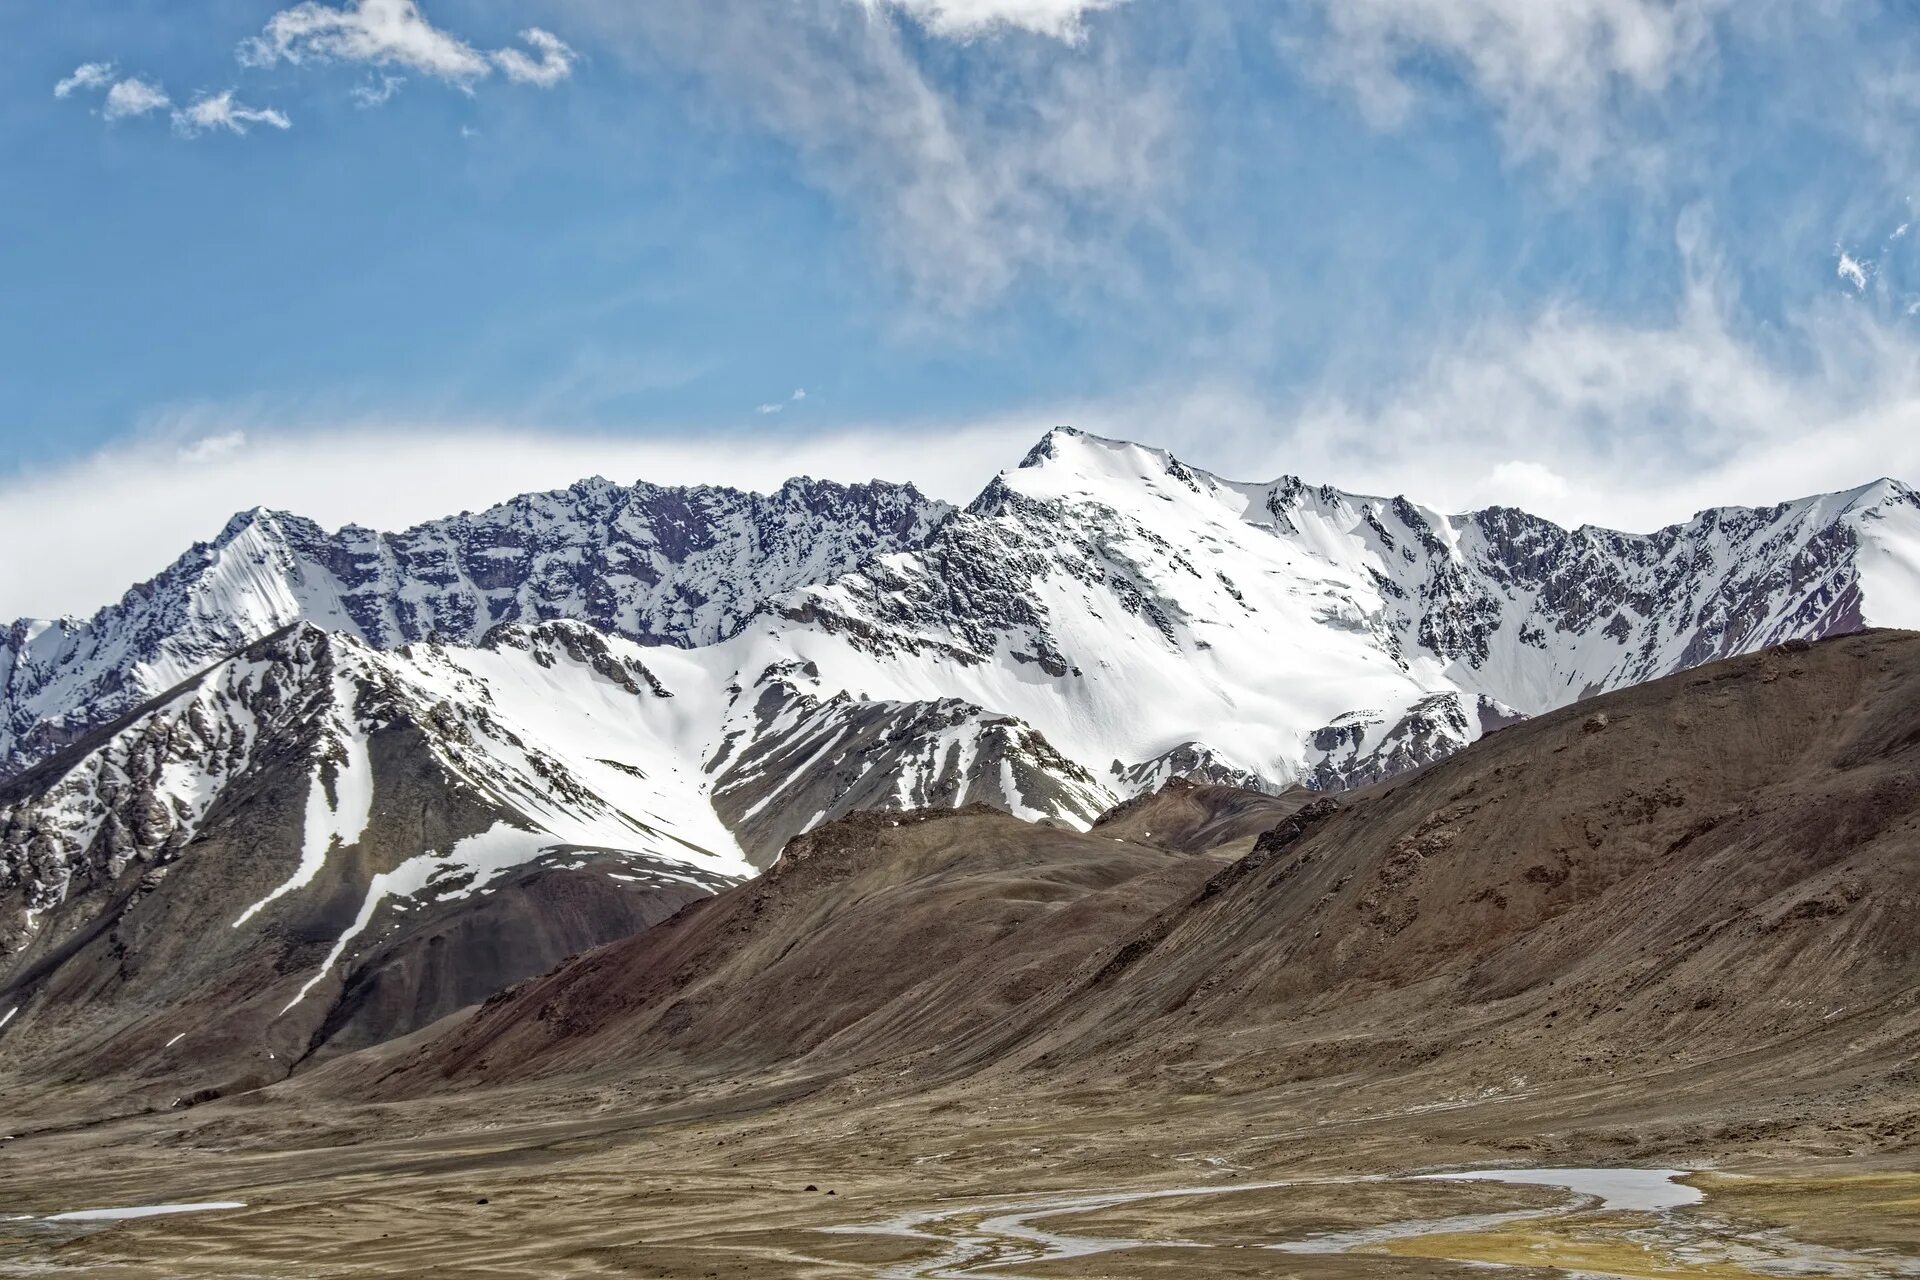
{"x":1566,"y":414}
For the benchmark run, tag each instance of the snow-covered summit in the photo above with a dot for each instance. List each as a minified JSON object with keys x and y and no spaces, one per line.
{"x":1127,"y":605}
{"x":1128,"y":609}
{"x":299,"y":765}
{"x":659,"y":565}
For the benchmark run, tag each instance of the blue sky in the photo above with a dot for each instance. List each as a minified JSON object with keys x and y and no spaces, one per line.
{"x":1608,"y":259}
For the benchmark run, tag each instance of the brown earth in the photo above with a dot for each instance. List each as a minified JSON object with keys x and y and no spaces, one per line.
{"x":1193,"y":817}
{"x":1672,"y":927}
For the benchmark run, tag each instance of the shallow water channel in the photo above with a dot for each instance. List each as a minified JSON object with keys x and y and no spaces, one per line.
{"x":997,"y":1236}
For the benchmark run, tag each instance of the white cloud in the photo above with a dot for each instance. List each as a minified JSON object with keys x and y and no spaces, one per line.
{"x":1061,"y":19}
{"x":88,"y":75}
{"x":1853,"y":271}
{"x":395,"y":33}
{"x":1528,"y":485}
{"x":222,"y":111}
{"x":1574,"y":417}
{"x":1555,"y":71}
{"x":380,"y":32}
{"x":1583,"y":419}
{"x":134,"y":97}
{"x":207,"y":448}
{"x":553,"y":61}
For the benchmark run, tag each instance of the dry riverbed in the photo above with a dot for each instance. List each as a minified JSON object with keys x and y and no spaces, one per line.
{"x":839,"y":1181}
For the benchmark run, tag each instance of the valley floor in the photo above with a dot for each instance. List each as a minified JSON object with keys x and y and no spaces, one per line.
{"x":991,"y":1178}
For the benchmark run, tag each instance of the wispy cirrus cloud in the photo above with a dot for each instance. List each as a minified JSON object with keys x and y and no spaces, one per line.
{"x":966,"y":183}
{"x":392,"y":33}
{"x":1554,"y":74}
{"x":781,"y":406}
{"x":1581,"y":417}
{"x":551,"y":61}
{"x":377,"y":93}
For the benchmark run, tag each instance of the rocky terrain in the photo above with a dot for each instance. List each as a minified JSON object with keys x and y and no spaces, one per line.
{"x":1712,"y":867}
{"x":658,"y":565}
{"x":325,"y":789}
{"x":1670,"y":928}
{"x":702,"y":674}
{"x":316,"y":845}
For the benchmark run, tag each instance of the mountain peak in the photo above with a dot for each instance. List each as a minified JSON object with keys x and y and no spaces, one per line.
{"x":1095,"y":461}
{"x":1047,"y":447}
{"x":240,"y":522}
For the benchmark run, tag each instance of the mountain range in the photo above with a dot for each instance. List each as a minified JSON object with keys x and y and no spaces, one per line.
{"x":339,"y":785}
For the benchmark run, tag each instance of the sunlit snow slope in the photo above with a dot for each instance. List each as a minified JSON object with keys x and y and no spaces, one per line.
{"x":1100,"y":619}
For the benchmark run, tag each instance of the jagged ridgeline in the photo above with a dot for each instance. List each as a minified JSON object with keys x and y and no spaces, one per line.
{"x":581,"y":708}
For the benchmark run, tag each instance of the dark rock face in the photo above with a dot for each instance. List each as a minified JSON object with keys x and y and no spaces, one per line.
{"x":658,"y":565}
{"x":457,"y":954}
{"x":67,"y":832}
{"x":1296,"y":826}
{"x":1191,"y":761}
{"x":797,"y":761}
{"x":268,"y":861}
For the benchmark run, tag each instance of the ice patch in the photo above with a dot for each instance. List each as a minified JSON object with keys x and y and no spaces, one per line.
{"x":142,"y":1211}
{"x":1618,"y":1190}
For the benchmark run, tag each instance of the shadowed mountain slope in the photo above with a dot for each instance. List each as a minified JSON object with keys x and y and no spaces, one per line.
{"x":875,"y":936}
{"x":1713,"y":871}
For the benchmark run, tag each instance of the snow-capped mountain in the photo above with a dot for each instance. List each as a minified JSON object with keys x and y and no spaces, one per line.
{"x":659,"y":565}
{"x":318,"y":839}
{"x":561,"y":733}
{"x":1149,"y":619}
{"x":1127,"y":606}
{"x":338,"y":737}
{"x":790,"y":759}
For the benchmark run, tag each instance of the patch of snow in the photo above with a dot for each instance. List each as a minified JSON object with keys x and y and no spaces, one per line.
{"x":142,"y":1211}
{"x":340,"y":819}
{"x":1618,"y":1190}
